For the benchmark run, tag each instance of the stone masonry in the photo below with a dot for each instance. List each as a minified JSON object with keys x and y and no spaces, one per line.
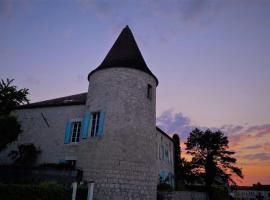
{"x":126,"y":160}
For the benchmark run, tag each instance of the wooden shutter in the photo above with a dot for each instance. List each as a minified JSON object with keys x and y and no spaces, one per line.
{"x":68,"y":133}
{"x":86,"y":121}
{"x":101,"y":124}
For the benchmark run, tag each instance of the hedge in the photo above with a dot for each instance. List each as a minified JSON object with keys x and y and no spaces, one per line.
{"x":43,"y":191}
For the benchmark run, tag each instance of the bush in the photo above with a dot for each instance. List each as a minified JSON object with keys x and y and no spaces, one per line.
{"x":26,"y":155}
{"x":60,"y":166}
{"x":44,"y":191}
{"x":164,"y":187}
{"x":82,"y":192}
{"x":220,"y":192}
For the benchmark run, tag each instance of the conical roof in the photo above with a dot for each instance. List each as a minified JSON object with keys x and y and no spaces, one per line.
{"x":124,"y":53}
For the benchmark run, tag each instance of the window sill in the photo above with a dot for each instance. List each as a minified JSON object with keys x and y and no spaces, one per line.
{"x":73,"y":144}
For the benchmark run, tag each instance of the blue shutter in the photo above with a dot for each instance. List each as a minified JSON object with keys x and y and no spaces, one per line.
{"x":101,"y":123}
{"x":68,"y":133}
{"x":85,"y":125}
{"x":162,"y":174}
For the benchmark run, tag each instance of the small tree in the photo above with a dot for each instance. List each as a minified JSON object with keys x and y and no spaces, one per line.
{"x":10,"y":98}
{"x":211,"y":159}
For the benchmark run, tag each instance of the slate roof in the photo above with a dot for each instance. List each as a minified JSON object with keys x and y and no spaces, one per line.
{"x":77,"y":99}
{"x":124,"y":53}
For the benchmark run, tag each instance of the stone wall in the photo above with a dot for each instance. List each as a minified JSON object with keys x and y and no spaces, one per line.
{"x":123,"y":161}
{"x":182,"y":195}
{"x":166,"y":165}
{"x":50,"y":138}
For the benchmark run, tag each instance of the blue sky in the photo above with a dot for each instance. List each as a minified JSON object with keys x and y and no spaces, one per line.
{"x":212,"y":57}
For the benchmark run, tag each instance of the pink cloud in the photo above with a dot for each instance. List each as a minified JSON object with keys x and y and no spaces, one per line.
{"x":252,"y":132}
{"x":257,"y":156}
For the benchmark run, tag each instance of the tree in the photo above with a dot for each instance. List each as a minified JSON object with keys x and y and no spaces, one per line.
{"x":211,"y":159}
{"x":10,"y":98}
{"x":177,"y":155}
{"x":26,"y":155}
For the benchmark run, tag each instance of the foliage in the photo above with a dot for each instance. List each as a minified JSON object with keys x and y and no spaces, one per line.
{"x":82,"y":191}
{"x":47,"y":191}
{"x":9,"y":130}
{"x":187,"y":175}
{"x":163,"y":184}
{"x":43,"y":191}
{"x":25,"y":155}
{"x":211,"y":159}
{"x":10,"y":97}
{"x":177,"y":156}
{"x":164,"y":187}
{"x":62,"y":166}
{"x":220,"y":193}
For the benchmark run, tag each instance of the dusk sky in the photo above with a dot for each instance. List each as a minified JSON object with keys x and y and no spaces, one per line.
{"x":212,"y":59}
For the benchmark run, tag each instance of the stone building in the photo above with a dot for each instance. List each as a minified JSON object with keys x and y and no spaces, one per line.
{"x":255,"y":192}
{"x":109,"y":132}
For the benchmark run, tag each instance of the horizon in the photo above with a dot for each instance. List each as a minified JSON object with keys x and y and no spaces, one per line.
{"x":211,"y":59}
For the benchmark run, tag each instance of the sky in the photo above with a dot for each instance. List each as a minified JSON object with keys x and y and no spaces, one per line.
{"x":212,"y":59}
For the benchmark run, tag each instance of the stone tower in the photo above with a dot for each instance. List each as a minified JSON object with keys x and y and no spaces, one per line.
{"x":122,"y":162}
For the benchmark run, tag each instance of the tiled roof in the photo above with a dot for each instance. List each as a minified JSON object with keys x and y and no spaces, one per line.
{"x":77,"y":99}
{"x":124,"y":53}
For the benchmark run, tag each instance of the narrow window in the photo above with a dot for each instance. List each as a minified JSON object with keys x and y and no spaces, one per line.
{"x":95,"y":124}
{"x":76,"y":131}
{"x":166,"y":153}
{"x":163,"y":152}
{"x":149,"y":91}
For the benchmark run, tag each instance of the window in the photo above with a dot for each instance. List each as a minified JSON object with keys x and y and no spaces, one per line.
{"x":76,"y":131}
{"x":166,"y":153}
{"x":149,"y":91}
{"x":71,"y":163}
{"x":95,"y":124}
{"x":161,"y":152}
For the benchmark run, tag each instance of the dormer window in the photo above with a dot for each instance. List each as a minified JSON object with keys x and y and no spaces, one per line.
{"x":149,"y":91}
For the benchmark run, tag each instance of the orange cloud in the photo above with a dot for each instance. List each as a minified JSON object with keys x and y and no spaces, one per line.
{"x":266,"y":146}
